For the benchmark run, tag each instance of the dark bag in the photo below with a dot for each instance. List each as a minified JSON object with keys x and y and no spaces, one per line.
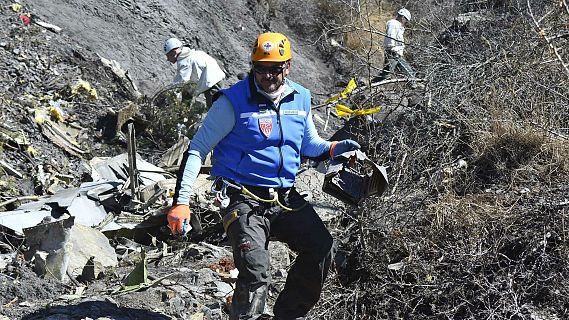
{"x":352,"y":176}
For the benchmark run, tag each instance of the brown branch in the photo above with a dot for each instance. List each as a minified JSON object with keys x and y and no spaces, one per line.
{"x":541,"y":32}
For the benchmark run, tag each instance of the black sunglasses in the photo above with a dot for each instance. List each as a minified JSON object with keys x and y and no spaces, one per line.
{"x":273,"y":70}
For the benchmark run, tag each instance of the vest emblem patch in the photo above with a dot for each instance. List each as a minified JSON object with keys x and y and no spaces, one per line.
{"x":266,"y":126}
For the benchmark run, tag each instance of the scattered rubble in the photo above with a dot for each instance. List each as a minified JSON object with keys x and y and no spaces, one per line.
{"x":67,"y":235}
{"x":96,"y":232}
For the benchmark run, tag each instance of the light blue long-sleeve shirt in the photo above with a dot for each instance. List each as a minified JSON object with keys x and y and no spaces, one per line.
{"x":219,"y":122}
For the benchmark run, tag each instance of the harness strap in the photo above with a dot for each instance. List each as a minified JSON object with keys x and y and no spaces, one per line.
{"x":222,"y":194}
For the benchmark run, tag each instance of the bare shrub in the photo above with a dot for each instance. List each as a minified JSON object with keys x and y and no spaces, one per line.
{"x":473,"y":225}
{"x":351,"y":33}
{"x":170,"y":116}
{"x":512,"y":154}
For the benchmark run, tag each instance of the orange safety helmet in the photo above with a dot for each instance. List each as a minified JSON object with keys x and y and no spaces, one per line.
{"x":271,"y":47}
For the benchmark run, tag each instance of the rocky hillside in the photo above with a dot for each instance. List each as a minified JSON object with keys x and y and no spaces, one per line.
{"x":133,"y":32}
{"x":40,"y":67}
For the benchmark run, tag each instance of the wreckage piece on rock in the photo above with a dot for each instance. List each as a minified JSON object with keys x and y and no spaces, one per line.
{"x":158,"y":193}
{"x":172,"y":158}
{"x":81,"y":203}
{"x":63,"y":249}
{"x":116,"y":168}
{"x":92,"y":204}
{"x":87,"y":207}
{"x":136,"y":174}
{"x":95,"y":204}
{"x":122,"y":74}
{"x":63,"y":135}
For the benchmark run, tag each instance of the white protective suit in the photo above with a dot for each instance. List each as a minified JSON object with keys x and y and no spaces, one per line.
{"x":198,"y":67}
{"x":394,"y":41}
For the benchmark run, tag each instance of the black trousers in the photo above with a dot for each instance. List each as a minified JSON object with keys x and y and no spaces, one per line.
{"x":209,"y":93}
{"x":251,"y":224}
{"x":188,"y":94}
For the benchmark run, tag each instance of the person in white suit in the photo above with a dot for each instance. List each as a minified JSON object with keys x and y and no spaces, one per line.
{"x":394,"y":46}
{"x":194,"y":66}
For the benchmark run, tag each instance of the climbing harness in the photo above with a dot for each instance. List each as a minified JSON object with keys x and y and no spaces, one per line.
{"x":220,"y":185}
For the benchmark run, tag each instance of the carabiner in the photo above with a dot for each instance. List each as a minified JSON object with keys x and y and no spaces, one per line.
{"x":219,"y":187}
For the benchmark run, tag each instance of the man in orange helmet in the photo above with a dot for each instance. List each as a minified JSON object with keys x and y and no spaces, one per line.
{"x":258,"y":129}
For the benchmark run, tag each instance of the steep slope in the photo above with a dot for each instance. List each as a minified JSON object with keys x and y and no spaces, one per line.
{"x":133,"y":32}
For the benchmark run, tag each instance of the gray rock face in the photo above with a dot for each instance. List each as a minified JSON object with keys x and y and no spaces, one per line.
{"x":90,"y":244}
{"x":133,"y":34}
{"x":325,"y":205}
{"x":279,"y":256}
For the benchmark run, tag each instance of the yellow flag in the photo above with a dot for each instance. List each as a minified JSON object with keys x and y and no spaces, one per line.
{"x":343,"y":111}
{"x":349,"y":88}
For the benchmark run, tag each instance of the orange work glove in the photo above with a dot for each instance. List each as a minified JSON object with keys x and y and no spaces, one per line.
{"x":179,"y":219}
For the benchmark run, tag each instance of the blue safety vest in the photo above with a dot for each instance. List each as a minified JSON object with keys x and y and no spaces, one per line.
{"x":263,"y":149}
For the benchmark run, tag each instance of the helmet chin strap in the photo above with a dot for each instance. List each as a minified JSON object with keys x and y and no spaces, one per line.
{"x":287,"y":65}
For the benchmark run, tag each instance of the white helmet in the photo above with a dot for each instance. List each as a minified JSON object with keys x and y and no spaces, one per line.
{"x":171,"y":43}
{"x":404,"y":12}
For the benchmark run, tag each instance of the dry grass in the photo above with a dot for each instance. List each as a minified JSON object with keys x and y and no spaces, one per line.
{"x":513,"y":153}
{"x":456,"y":212}
{"x":366,"y":28}
{"x":474,"y":223}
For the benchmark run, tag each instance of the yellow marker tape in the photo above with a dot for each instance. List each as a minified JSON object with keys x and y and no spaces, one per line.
{"x":349,"y":88}
{"x":16,"y":7}
{"x":343,"y":111}
{"x":56,"y":113}
{"x":229,"y":218}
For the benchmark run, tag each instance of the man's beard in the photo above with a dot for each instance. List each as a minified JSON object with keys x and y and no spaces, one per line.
{"x":272,"y":85}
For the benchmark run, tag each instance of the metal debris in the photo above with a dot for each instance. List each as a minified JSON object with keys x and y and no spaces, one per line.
{"x":352,"y":176}
{"x":10,"y":170}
